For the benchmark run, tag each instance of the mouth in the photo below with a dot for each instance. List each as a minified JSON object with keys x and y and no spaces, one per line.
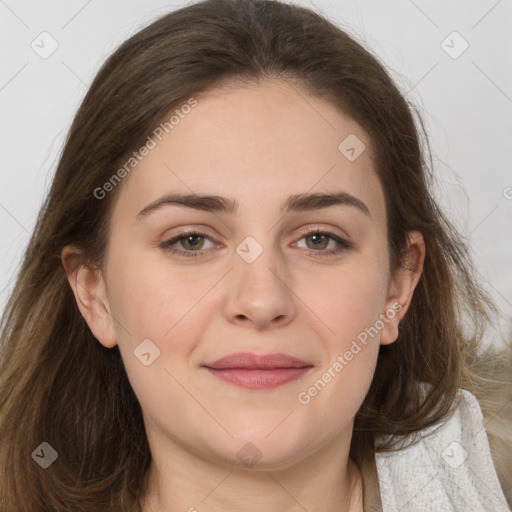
{"x":254,"y":371}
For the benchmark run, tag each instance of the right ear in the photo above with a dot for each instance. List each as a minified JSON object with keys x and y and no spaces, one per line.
{"x":89,"y":288}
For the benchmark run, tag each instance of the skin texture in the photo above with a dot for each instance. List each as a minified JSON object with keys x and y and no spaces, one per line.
{"x":256,"y":144}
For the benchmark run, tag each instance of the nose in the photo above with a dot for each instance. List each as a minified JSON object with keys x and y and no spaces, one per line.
{"x":262,"y":293}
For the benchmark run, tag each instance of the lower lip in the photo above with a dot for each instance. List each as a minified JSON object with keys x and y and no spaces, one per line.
{"x":259,"y":379}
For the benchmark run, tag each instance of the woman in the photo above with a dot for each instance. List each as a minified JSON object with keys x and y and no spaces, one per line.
{"x":240,"y":293}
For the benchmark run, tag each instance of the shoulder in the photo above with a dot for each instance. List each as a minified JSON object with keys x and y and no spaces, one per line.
{"x":449,"y":469}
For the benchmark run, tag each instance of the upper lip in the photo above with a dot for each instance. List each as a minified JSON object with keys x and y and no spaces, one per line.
{"x":257,"y":361}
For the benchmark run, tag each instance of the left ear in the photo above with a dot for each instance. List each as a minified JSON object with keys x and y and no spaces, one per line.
{"x":401,"y":286}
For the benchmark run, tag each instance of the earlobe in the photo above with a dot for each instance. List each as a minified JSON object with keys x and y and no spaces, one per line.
{"x":402,"y":285}
{"x":89,"y":289}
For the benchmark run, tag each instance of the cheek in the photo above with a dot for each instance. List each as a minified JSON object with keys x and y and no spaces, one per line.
{"x":153,"y":299}
{"x":348,"y":299}
{"x":348,"y":305}
{"x":170,"y":307}
{"x":166,"y":308}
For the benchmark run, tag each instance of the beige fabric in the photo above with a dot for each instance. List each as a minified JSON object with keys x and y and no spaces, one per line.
{"x":449,"y":469}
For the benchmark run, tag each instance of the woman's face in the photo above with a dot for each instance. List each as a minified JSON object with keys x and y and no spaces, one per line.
{"x":255,"y":281}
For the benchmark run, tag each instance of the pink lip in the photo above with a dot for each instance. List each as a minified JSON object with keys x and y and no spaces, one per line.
{"x":255,"y":361}
{"x":258,"y":371}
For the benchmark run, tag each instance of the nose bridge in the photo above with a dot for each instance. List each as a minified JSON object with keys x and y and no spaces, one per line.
{"x":262,"y":291}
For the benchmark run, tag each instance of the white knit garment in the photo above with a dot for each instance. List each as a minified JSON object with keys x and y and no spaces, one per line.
{"x":450,"y":470}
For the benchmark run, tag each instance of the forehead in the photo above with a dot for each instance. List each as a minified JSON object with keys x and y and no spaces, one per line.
{"x":257,"y":142}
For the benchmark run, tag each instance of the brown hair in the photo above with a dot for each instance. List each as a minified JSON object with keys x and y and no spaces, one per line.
{"x":59,"y":385}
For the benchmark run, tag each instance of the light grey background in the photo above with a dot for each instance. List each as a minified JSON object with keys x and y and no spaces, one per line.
{"x":466,"y":103}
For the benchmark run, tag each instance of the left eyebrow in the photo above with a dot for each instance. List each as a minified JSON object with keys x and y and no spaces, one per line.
{"x":294,"y":203}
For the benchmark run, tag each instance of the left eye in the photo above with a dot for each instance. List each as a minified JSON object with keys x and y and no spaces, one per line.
{"x":318,"y":239}
{"x":193,"y":242}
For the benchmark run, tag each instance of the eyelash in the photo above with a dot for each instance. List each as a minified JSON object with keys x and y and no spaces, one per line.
{"x":343,"y":244}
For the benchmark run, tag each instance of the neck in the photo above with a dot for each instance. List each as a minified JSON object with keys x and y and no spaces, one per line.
{"x":183,"y":481}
